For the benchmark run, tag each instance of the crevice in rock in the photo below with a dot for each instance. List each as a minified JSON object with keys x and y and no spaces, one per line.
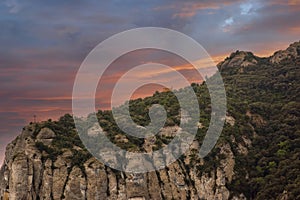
{"x":118,"y":180}
{"x":107,"y":180}
{"x":41,"y":178}
{"x":29,"y":187}
{"x":160,"y":184}
{"x":169,"y":180}
{"x":148,"y":185}
{"x":187,"y":178}
{"x":65,"y":183}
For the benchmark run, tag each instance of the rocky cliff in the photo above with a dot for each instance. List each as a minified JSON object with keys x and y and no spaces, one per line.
{"x":28,"y":173}
{"x":256,"y":157}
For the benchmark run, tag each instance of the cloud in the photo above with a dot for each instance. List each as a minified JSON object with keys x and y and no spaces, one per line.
{"x":188,"y":9}
{"x":285,"y":3}
{"x":271,"y":19}
{"x":246,"y":8}
{"x":293,"y":30}
{"x":13,"y":5}
{"x":227,"y":23}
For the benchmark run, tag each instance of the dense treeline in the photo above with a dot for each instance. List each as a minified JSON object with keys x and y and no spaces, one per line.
{"x":270,"y":94}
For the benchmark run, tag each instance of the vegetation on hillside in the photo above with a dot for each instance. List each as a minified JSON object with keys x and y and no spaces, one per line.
{"x":264,"y":101}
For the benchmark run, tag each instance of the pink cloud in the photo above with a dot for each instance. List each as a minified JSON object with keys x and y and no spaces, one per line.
{"x":187,"y":10}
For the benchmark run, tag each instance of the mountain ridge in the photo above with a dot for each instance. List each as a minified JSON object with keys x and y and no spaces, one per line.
{"x":48,"y":160}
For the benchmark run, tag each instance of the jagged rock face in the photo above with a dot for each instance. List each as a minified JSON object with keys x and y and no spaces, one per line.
{"x":26,"y":175}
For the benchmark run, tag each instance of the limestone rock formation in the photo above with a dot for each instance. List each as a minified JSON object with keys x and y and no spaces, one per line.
{"x":26,"y":174}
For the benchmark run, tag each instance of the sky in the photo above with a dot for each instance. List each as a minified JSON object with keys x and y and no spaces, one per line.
{"x":42,"y":44}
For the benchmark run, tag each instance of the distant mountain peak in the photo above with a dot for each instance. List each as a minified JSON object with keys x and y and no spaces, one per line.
{"x":291,"y":52}
{"x":239,"y":58}
{"x":240,"y":53}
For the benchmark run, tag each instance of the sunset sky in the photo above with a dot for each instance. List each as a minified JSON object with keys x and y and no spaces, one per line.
{"x":44,"y":42}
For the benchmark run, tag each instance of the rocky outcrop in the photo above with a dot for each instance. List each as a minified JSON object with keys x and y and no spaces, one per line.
{"x":45,"y":136}
{"x":291,"y":52}
{"x":239,"y":58}
{"x":212,"y":185}
{"x":29,"y":174}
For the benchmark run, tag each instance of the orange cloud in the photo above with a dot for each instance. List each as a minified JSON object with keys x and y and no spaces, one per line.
{"x":189,"y":9}
{"x":293,"y":2}
{"x":289,"y":2}
{"x":186,"y":10}
{"x":46,"y":98}
{"x":293,"y":30}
